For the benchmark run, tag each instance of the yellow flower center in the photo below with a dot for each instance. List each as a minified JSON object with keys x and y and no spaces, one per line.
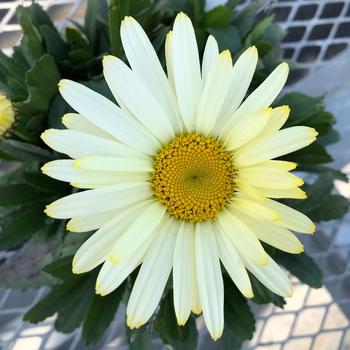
{"x":194,"y":177}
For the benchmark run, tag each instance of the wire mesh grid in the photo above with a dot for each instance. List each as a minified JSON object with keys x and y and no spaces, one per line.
{"x":318,"y":31}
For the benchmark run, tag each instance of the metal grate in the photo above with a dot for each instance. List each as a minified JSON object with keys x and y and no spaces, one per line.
{"x":318,"y":38}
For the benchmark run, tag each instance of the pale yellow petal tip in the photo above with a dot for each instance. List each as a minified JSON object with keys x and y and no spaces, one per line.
{"x":181,"y":16}
{"x":249,"y":293}
{"x":70,"y":227}
{"x":61,"y":83}
{"x":252,"y":50}
{"x":75,"y":269}
{"x":217,"y":335}
{"x":181,"y":322}
{"x":107,"y":59}
{"x":44,"y":169}
{"x":284,"y":66}
{"x":44,"y":134}
{"x":197,"y":310}
{"x":225,"y":54}
{"x":132,"y":324}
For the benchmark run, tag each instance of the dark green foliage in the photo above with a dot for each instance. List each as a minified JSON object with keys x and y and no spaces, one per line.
{"x":263,"y":295}
{"x":75,"y":303}
{"x":301,"y":266}
{"x":178,"y":337}
{"x":236,"y":307}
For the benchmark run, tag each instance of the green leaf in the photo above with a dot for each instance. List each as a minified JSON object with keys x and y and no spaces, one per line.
{"x":227,"y":38}
{"x":91,"y":24}
{"x":117,"y":10}
{"x":260,"y":28}
{"x":21,"y":194}
{"x":70,"y":300}
{"x":76,"y":306}
{"x":41,"y":91}
{"x":21,"y":225}
{"x":179,"y":337}
{"x":100,"y":314}
{"x":24,"y":151}
{"x":312,"y":154}
{"x":236,"y":307}
{"x":246,"y":18}
{"x":54,"y":43}
{"x":302,"y":107}
{"x":38,"y":16}
{"x":45,"y":183}
{"x":313,"y":168}
{"x":322,"y":122}
{"x":332,"y":207}
{"x":140,"y":340}
{"x":61,"y":268}
{"x":302,"y":266}
{"x":229,"y":341}
{"x":263,"y":295}
{"x":31,"y":42}
{"x":59,"y":107}
{"x":219,"y":16}
{"x":317,"y":192}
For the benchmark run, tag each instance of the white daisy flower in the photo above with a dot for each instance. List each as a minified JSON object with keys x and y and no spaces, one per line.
{"x":179,"y":176}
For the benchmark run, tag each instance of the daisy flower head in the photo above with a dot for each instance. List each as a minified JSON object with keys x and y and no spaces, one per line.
{"x":179,"y":175}
{"x":7,"y":115}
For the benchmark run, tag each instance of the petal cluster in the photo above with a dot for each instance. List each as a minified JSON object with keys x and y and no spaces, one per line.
{"x":112,"y":148}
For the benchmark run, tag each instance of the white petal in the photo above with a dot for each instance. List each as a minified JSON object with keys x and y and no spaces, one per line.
{"x":211,"y":51}
{"x":247,"y":128}
{"x":271,"y":276}
{"x":184,"y":274}
{"x":111,"y":276}
{"x":144,"y":61}
{"x":99,"y":200}
{"x":75,"y":121}
{"x":186,"y":69}
{"x":253,"y":208}
{"x":210,"y":284}
{"x":116,"y":164}
{"x":269,"y":177}
{"x":242,"y":237}
{"x":138,"y":232}
{"x":278,"y":144}
{"x":214,"y":92}
{"x":295,"y":193}
{"x":262,"y":97}
{"x":292,"y":218}
{"x":96,"y":249}
{"x":153,"y":276}
{"x":169,"y":59}
{"x":78,"y":144}
{"x":274,"y":235}
{"x":137,"y":97}
{"x":92,"y":221}
{"x":108,"y":116}
{"x":242,"y":74}
{"x":278,"y":118}
{"x":65,"y":170}
{"x":233,"y":263}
